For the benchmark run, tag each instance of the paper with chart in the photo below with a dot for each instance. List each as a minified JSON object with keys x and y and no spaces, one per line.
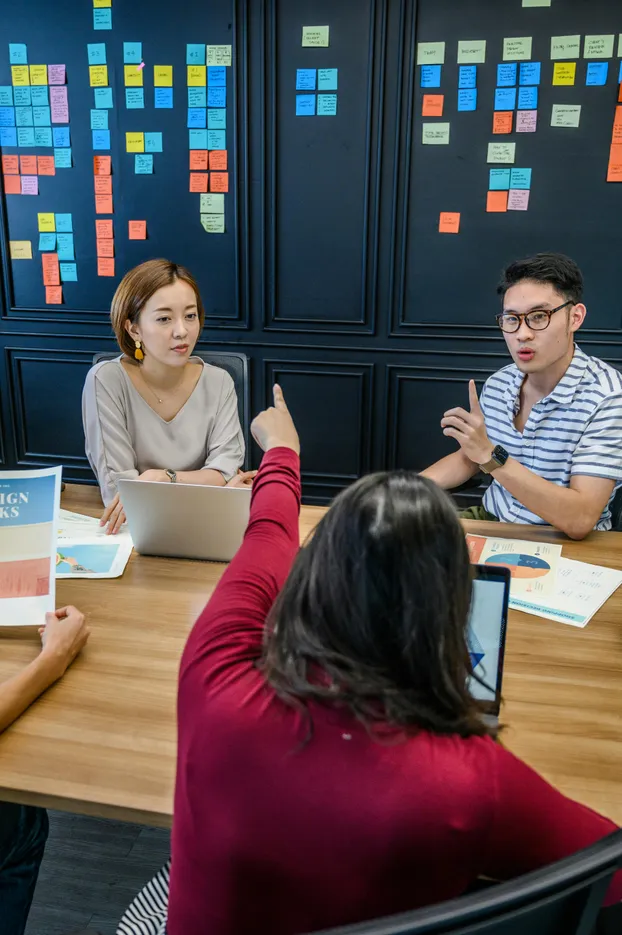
{"x":581,"y":590}
{"x":533,"y":565}
{"x":85,"y":551}
{"x":29,"y":503}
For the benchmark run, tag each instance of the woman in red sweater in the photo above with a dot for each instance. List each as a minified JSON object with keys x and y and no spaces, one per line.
{"x":332,"y":765}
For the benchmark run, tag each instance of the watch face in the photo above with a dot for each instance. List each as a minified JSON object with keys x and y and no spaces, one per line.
{"x":500,"y":454}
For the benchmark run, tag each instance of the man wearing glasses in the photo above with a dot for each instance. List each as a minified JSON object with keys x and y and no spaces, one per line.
{"x":548,"y":428}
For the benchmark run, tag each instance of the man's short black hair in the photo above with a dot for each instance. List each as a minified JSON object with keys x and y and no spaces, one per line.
{"x":555,"y":268}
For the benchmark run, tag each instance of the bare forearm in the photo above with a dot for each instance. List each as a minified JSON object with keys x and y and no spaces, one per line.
{"x":560,"y":506}
{"x":452,"y":471}
{"x":207,"y":478}
{"x":19,"y":692}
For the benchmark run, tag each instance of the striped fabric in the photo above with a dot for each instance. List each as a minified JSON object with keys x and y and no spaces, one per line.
{"x":147,"y":913}
{"x":576,"y":429}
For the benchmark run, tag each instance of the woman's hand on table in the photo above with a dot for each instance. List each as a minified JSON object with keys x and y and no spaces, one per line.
{"x":242,"y":479}
{"x":65,"y":633}
{"x":113,"y":516}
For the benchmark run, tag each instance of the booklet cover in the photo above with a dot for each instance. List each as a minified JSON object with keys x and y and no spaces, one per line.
{"x":29,"y":505}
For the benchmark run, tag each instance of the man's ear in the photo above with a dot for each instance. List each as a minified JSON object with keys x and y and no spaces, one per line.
{"x":577,"y":316}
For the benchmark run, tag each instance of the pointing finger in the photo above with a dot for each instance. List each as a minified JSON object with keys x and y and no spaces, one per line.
{"x":279,"y":399}
{"x":473,"y":397}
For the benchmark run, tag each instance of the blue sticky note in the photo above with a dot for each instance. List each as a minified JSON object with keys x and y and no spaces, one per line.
{"x":68,"y":272}
{"x":47,"y":242}
{"x":23,"y":117}
{"x":216,"y":76}
{"x":61,"y":136}
{"x":134,"y":98}
{"x":64,"y":224}
{"x":41,"y":116}
{"x":216,"y":139}
{"x":43,"y":136}
{"x":39,"y":96}
{"x":327,"y":79}
{"x":430,"y":76}
{"x":8,"y":136}
{"x":132,"y":53}
{"x":467,"y":99}
{"x":6,"y":96}
{"x":467,"y":76}
{"x":197,"y":117}
{"x":62,"y":158}
{"x":527,"y":98}
{"x":7,"y":116}
{"x":143,"y":164}
{"x":101,"y":139}
{"x":163,"y":97}
{"x":23,"y":97}
{"x":530,"y":72}
{"x":505,"y":98}
{"x":216,"y":97}
{"x":153,"y":142}
{"x":217,"y":118}
{"x":197,"y":97}
{"x":499,"y":180}
{"x":520,"y":178}
{"x":195,"y":53}
{"x":597,"y":73}
{"x":25,"y":136}
{"x":327,"y":105}
{"x":97,"y":53}
{"x":64,"y":246}
{"x":305,"y":79}
{"x":197,"y":139}
{"x":103,"y":98}
{"x":506,"y":75}
{"x":305,"y":105}
{"x":99,"y":120}
{"x":18,"y":54}
{"x":102,"y":18}
{"x":620,"y":74}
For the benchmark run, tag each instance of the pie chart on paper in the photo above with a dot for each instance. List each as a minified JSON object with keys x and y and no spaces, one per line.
{"x":521,"y":566}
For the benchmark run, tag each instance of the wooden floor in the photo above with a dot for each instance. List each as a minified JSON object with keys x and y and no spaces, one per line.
{"x":91,"y":871}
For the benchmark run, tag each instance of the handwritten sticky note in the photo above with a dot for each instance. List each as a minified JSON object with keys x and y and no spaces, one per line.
{"x":432,"y":105}
{"x":196,"y":75}
{"x":467,"y":99}
{"x":517,"y":49}
{"x":132,"y":76}
{"x":501,"y":152}
{"x":499,"y":180}
{"x":12,"y":185}
{"x":506,"y":76}
{"x":6,"y":96}
{"x":197,"y":117}
{"x":134,"y":99}
{"x":505,"y":98}
{"x":213,"y":223}
{"x":38,"y":74}
{"x":39,"y":96}
{"x":216,"y":77}
{"x":101,"y":139}
{"x":471,"y":51}
{"x":132,"y":53}
{"x":8,"y":136}
{"x":163,"y":97}
{"x":614,"y":169}
{"x":104,"y":229}
{"x":217,"y":116}
{"x":197,"y":139}
{"x":64,"y":246}
{"x":198,"y":160}
{"x":306,"y":79}
{"x":43,"y":136}
{"x":23,"y":96}
{"x":195,"y":53}
{"x":305,"y":105}
{"x":28,"y":165}
{"x":197,"y":97}
{"x":565,"y":115}
{"x":435,"y":133}
{"x":18,"y":53}
{"x":527,"y":98}
{"x":30,"y":185}
{"x":103,"y":98}
{"x":219,"y":55}
{"x":564,"y":73}
{"x":102,"y":3}
{"x":518,"y":199}
{"x":64,"y":223}
{"x":497,"y":201}
{"x":102,"y":19}
{"x":212,"y":204}
{"x":10,"y":165}
{"x":62,"y":158}
{"x":96,"y":53}
{"x":216,"y":97}
{"x":315,"y":37}
{"x":53,"y":295}
{"x":105,"y":247}
{"x":137,"y":230}
{"x":143,"y":164}
{"x":598,"y":46}
{"x":68,"y":272}
{"x":198,"y":182}
{"x":520,"y":178}
{"x":20,"y":249}
{"x":25,"y":136}
{"x":430,"y":53}
{"x":23,"y":116}
{"x":105,"y":266}
{"x":218,"y":160}
{"x":153,"y":142}
{"x":134,"y":142}
{"x":51,"y":271}
{"x":20,"y":76}
{"x":103,"y":204}
{"x":327,"y":79}
{"x":47,"y":242}
{"x":430,"y":76}
{"x":102,"y":165}
{"x":7,"y":115}
{"x":61,"y":136}
{"x":449,"y":222}
{"x":326,"y":105}
{"x":163,"y":76}
{"x":596,"y":73}
{"x":565,"y":47}
{"x":502,"y":121}
{"x":98,"y":76}
{"x":59,"y":105}
{"x":467,"y":76}
{"x":46,"y":223}
{"x":526,"y":121}
{"x":219,"y":181}
{"x":102,"y":184}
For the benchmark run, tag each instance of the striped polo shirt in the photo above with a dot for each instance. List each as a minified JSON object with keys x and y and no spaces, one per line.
{"x":576,"y":429}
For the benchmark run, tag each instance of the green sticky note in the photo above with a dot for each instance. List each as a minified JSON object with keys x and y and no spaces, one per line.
{"x":212,"y":203}
{"x":501,"y":152}
{"x":435,"y":133}
{"x":430,"y":53}
{"x":565,"y":47}
{"x":565,"y":115}
{"x":471,"y":52}
{"x":517,"y":49}
{"x":315,"y":37}
{"x":536,"y":2}
{"x":598,"y":47}
{"x":213,"y":223}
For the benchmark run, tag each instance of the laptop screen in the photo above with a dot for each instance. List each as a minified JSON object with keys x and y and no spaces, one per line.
{"x":486,"y":630}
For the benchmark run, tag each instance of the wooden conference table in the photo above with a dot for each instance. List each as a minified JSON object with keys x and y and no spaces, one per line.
{"x":102,"y":741}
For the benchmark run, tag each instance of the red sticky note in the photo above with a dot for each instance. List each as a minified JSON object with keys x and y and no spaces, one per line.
{"x":449,"y":222}
{"x":137,"y":230}
{"x":218,"y":160}
{"x":198,"y":159}
{"x":502,"y":121}
{"x":219,"y":182}
{"x":30,"y":184}
{"x":103,"y":204}
{"x":103,"y":184}
{"x":432,"y":105}
{"x":497,"y":201}
{"x":51,"y":271}
{"x":12,"y":185}
{"x":105,"y":248}
{"x":10,"y":165}
{"x":54,"y":295}
{"x":46,"y":165}
{"x":198,"y":181}
{"x":102,"y":165}
{"x":105,"y":266}
{"x":28,"y":165}
{"x":103,"y":229}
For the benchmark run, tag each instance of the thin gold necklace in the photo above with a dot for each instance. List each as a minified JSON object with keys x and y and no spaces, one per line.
{"x":151,"y":389}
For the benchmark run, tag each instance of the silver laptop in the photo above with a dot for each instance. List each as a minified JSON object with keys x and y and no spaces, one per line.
{"x":185,"y":520}
{"x":486,"y":633}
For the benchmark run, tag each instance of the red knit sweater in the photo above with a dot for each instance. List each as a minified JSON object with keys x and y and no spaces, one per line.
{"x":269,"y":838}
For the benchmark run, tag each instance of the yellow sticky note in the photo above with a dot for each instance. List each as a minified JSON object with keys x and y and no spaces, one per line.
{"x":501,"y":152}
{"x":598,"y":47}
{"x":46,"y":223}
{"x":435,"y":133}
{"x":430,"y":53}
{"x":196,"y":76}
{"x":102,"y":3}
{"x":565,"y":46}
{"x":517,"y":50}
{"x":132,"y":76}
{"x":162,"y":76}
{"x":471,"y":52}
{"x":218,"y":55}
{"x":315,"y":37}
{"x":38,"y":74}
{"x":20,"y":249}
{"x":20,"y":76}
{"x":564,"y":72}
{"x":98,"y":75}
{"x":135,"y":142}
{"x":565,"y":115}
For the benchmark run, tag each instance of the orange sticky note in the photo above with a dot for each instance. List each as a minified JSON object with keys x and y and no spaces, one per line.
{"x":502,"y":121}
{"x":105,"y":266}
{"x":218,"y":160}
{"x":614,"y":171}
{"x":51,"y":270}
{"x":102,"y":165}
{"x":620,"y":94}
{"x":103,"y":204}
{"x":497,"y":201}
{"x":432,"y":105}
{"x":10,"y":165}
{"x":137,"y":230}
{"x":103,"y":184}
{"x":46,"y":165}
{"x":53,"y":295}
{"x":616,"y":136}
{"x":104,"y":229}
{"x":12,"y":185}
{"x":219,"y":181}
{"x":198,"y":181}
{"x":449,"y":222}
{"x":198,"y":159}
{"x":105,"y":248}
{"x":28,"y":165}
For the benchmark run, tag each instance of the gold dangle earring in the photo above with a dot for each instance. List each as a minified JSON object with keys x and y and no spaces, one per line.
{"x":138,"y":354}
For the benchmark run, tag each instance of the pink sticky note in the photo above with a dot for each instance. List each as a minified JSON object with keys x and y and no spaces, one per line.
{"x":518,"y":199}
{"x":58,"y":105}
{"x":56,"y":74}
{"x":30,"y":185}
{"x":526,"y":121}
{"x":138,"y":67}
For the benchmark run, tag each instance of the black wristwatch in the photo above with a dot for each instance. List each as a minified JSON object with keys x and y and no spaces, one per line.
{"x":498,"y":458}
{"x":172,"y":476}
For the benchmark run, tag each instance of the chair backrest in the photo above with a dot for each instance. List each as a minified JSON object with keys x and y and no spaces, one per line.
{"x":563,"y":898}
{"x":616,"y":511}
{"x":236,"y":365}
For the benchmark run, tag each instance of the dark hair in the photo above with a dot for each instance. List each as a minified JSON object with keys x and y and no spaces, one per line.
{"x":555,"y":268}
{"x":373,"y":614}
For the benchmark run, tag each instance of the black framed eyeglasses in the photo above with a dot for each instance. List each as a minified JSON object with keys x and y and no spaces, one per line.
{"x":537,"y":320}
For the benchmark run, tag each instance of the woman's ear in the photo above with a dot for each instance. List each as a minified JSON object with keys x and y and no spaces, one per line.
{"x":132,"y":330}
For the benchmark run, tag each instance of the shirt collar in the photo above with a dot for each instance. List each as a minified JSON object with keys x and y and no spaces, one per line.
{"x":565,"y":390}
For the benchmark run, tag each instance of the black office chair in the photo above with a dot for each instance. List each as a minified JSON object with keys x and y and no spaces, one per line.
{"x":236,"y":365}
{"x":562,"y":899}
